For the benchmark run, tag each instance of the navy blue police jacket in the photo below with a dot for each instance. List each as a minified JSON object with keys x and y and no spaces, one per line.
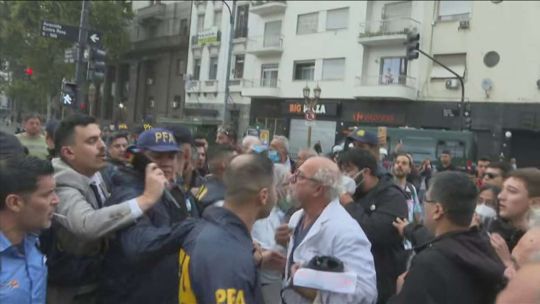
{"x":141,"y":264}
{"x":216,"y":262}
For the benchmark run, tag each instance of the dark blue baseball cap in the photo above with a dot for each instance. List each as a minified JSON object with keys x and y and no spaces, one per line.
{"x":363,"y":136}
{"x":157,"y":140}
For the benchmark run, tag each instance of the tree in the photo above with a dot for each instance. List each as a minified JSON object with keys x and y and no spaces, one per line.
{"x":22,"y":46}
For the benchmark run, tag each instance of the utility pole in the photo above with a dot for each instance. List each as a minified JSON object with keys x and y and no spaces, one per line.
{"x":460,"y":78}
{"x":81,"y":46}
{"x":229,"y":54}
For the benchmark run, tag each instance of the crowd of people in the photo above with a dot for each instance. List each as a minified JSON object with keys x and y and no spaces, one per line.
{"x":161,"y":215}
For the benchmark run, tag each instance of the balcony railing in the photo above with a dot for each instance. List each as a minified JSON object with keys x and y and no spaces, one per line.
{"x":151,"y":12}
{"x":386,"y":80}
{"x":397,"y":87}
{"x":264,"y":8}
{"x":262,"y":83}
{"x":386,"y":27}
{"x":265,"y":45}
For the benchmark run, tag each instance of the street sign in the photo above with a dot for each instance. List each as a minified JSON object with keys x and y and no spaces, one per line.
{"x":69,"y":55}
{"x":67,"y":32}
{"x":94,"y":38}
{"x":310,"y":115}
{"x":59,"y":31}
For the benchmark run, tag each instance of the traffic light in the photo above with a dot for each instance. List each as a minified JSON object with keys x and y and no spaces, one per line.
{"x":68,"y":96}
{"x":96,"y":64}
{"x":467,"y":116}
{"x":28,"y":72}
{"x":413,"y":44}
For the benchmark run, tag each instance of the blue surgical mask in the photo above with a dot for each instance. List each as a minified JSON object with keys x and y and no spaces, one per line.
{"x":274,"y":156}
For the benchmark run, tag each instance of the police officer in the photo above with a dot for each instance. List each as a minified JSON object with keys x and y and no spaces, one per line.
{"x":216,"y":260}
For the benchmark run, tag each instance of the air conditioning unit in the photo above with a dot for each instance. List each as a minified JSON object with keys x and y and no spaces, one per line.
{"x":452,"y":84}
{"x":464,"y":24}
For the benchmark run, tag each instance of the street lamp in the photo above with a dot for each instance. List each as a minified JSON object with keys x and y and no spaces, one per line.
{"x":309,"y":107}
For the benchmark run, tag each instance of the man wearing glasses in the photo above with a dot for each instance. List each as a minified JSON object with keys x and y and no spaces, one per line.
{"x":458,"y":265}
{"x":226,"y":136}
{"x":324,"y":228}
{"x":496,"y":173}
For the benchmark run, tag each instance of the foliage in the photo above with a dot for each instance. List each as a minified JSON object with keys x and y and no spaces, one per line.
{"x":21,"y":44}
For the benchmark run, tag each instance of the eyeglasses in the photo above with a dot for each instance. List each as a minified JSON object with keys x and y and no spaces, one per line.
{"x":298,"y":175}
{"x":225,"y":130}
{"x":490,"y":175}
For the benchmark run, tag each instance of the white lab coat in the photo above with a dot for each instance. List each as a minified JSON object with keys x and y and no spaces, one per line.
{"x":336,"y":233}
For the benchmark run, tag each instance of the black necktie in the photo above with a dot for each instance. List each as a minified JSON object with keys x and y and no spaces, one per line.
{"x":96,"y":194}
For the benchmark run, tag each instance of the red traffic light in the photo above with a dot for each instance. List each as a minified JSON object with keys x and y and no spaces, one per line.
{"x":29,"y":71}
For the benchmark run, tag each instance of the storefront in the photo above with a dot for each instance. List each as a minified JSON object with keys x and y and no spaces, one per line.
{"x":490,"y":121}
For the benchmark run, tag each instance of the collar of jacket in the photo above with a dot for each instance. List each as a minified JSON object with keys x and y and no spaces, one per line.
{"x":65,"y":175}
{"x":327,"y":214}
{"x":443,"y":237}
{"x":229,"y":221}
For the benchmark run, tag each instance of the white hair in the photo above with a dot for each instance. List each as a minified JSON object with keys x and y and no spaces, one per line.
{"x":281,"y":175}
{"x":534,"y":218}
{"x":330,"y":179}
{"x":284,"y":141}
{"x":249,"y":141}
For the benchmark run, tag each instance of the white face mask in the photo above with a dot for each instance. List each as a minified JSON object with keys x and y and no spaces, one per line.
{"x":361,"y":181}
{"x":485,"y":211}
{"x":349,"y":185}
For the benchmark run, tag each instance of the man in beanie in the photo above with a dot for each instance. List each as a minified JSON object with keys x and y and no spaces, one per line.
{"x":10,"y":146}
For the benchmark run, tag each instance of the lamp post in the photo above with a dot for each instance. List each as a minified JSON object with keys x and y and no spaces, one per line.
{"x":309,"y":107}
{"x":229,"y":54}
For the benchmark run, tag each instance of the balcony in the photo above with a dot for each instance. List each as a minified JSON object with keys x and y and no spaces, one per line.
{"x":193,"y":86}
{"x":383,"y":87}
{"x":261,"y":88}
{"x":265,"y":45}
{"x":236,"y":85}
{"x":266,"y":8}
{"x":387,"y":31}
{"x":151,"y":14}
{"x":209,"y":86}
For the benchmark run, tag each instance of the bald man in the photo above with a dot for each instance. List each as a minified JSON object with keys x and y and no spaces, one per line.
{"x":523,"y":287}
{"x":324,"y":228}
{"x":248,"y":142}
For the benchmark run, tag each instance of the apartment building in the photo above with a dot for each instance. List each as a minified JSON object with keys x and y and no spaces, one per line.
{"x":354,"y":51}
{"x":149,"y":82}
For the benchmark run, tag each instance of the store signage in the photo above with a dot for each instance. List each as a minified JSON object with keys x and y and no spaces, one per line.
{"x":299,"y":108}
{"x":375,"y":117}
{"x":208,"y":36}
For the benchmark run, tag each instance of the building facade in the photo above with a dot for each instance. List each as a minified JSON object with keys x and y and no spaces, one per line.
{"x":148,"y":84}
{"x":354,"y":51}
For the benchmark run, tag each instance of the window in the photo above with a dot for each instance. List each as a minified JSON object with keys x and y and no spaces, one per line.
{"x":456,"y":62}
{"x":450,"y":10}
{"x":307,"y":23}
{"x":196,"y":69}
{"x":272,"y":34}
{"x":269,"y":75}
{"x":238,"y":72}
{"x":304,"y":70}
{"x":200,"y":23}
{"x":333,"y":69}
{"x":393,"y":70}
{"x":217,"y":18}
{"x":337,"y":19}
{"x":180,"y":67}
{"x":212,"y":73}
{"x":241,"y":22}
{"x":184,"y":27}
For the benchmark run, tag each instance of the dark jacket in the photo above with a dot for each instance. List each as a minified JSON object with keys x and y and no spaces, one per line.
{"x":212,"y":191}
{"x":141,"y":265}
{"x":217,"y":262}
{"x":457,"y":267}
{"x":509,"y":233}
{"x":375,"y":212}
{"x":107,"y":173}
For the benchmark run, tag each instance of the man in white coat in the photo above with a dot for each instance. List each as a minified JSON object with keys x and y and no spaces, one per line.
{"x":324,"y":228}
